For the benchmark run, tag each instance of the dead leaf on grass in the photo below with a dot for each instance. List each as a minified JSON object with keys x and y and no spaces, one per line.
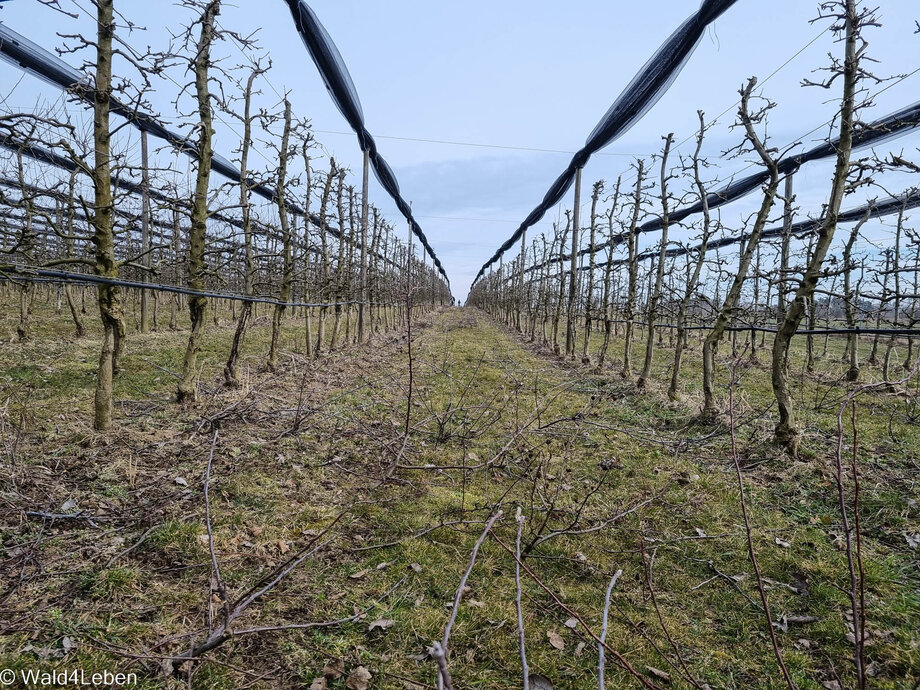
{"x":359,"y":679}
{"x":555,"y":639}
{"x":538,"y":682}
{"x":380,"y":624}
{"x":334,"y":668}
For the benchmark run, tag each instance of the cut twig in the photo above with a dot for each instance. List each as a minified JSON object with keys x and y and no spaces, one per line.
{"x":621,"y":661}
{"x":747,"y":525}
{"x":517,"y":598}
{"x":443,"y":676}
{"x":602,"y":644}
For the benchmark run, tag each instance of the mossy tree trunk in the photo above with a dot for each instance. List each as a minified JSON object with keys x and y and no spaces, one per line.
{"x":230,"y":371}
{"x":655,"y":296}
{"x":197,"y":238}
{"x":633,"y":271}
{"x":694,"y":279}
{"x":786,"y":432}
{"x":287,"y":242}
{"x":748,"y":247}
{"x":108,"y":296}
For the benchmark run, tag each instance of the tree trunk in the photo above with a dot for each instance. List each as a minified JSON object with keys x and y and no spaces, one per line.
{"x":198,"y":304}
{"x":230,"y":372}
{"x":731,"y":299}
{"x":659,"y":274}
{"x":633,"y":266}
{"x":108,"y":296}
{"x":287,"y":256}
{"x":786,"y":431}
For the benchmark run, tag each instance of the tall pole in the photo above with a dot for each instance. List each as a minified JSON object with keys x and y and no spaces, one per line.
{"x":784,"y":251}
{"x":362,"y":307}
{"x":409,"y":329}
{"x":576,"y":227}
{"x":409,"y":251}
{"x":145,"y":229}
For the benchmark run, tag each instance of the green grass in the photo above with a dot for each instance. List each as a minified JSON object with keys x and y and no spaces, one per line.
{"x":272,"y":492}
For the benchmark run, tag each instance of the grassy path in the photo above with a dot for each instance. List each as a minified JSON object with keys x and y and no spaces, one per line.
{"x":605,"y":479}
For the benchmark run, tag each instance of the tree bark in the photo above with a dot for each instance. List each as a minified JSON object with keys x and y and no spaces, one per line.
{"x":786,"y":432}
{"x":198,"y":304}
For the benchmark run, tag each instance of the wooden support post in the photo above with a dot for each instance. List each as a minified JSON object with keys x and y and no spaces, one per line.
{"x":362,"y":306}
{"x":145,"y":230}
{"x":576,"y":228}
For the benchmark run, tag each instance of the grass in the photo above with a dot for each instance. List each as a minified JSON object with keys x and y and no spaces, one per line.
{"x":478,"y":391}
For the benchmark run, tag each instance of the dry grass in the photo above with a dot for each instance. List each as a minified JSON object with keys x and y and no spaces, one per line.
{"x":139,"y":578}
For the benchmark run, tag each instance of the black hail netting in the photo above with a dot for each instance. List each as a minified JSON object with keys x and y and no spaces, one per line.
{"x":45,"y":156}
{"x":31,"y":57}
{"x":646,"y":88}
{"x":338,"y":81}
{"x":885,"y":128}
{"x":799,"y":229}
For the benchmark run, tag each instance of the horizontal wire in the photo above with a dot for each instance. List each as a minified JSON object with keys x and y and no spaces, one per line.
{"x":41,"y":275}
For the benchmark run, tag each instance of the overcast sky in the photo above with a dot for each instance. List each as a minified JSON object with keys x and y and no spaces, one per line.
{"x":527,"y":82}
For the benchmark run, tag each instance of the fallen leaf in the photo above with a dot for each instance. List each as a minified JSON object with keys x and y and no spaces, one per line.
{"x":180,"y":481}
{"x":256,"y":531}
{"x":475,"y":604}
{"x":913,"y":540}
{"x":380,"y":623}
{"x":381,"y":566}
{"x":572,"y":623}
{"x":659,"y":674}
{"x":831,"y":684}
{"x":555,"y":639}
{"x":416,"y":567}
{"x":358,"y":575}
{"x":283,"y":546}
{"x":700,"y":532}
{"x":538,"y":682}
{"x":319,"y":684}
{"x":334,"y":668}
{"x":780,"y":542}
{"x":68,"y":505}
{"x":359,"y":679}
{"x":579,"y":650}
{"x":69,"y":644}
